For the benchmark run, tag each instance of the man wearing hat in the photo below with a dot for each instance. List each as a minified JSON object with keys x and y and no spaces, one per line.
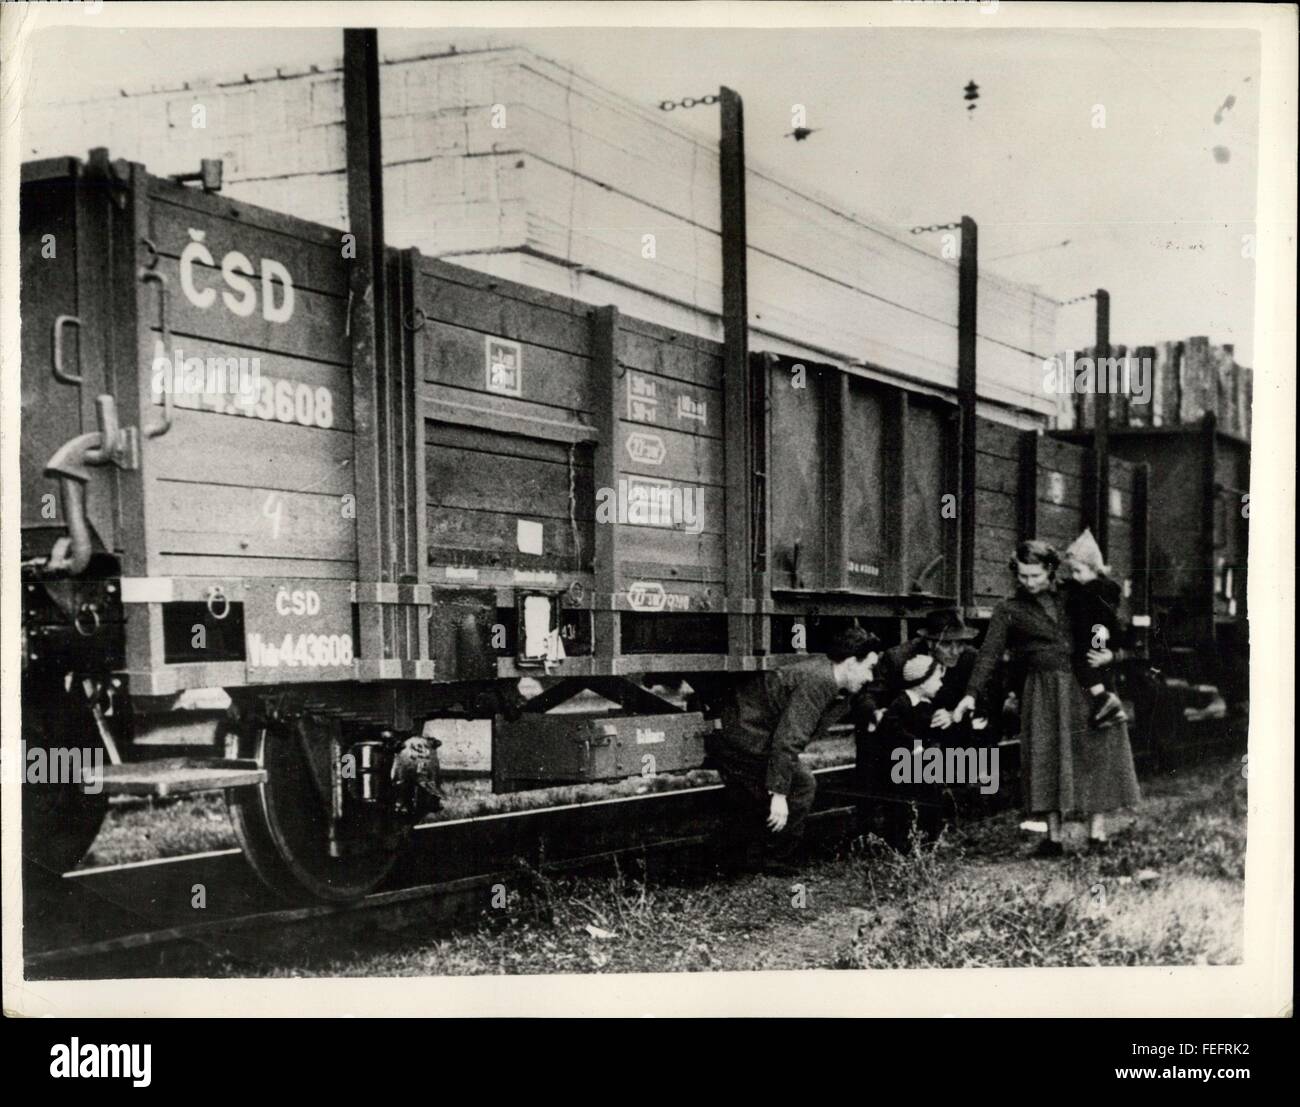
{"x":767,"y":721}
{"x":943,"y":635}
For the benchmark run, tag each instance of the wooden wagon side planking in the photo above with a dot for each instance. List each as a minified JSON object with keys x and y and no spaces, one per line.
{"x":542,"y":487}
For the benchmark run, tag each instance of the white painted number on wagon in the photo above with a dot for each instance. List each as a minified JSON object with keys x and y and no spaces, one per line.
{"x":284,"y":401}
{"x":271,"y":509}
{"x":308,"y":651}
{"x":237,"y":386}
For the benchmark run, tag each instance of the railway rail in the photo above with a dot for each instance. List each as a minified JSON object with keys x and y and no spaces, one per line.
{"x":128,"y":919}
{"x":90,"y":920}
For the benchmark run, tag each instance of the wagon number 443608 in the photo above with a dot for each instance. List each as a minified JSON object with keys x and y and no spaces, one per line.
{"x":280,"y":400}
{"x":272,"y":398}
{"x":308,"y":650}
{"x":287,"y":402}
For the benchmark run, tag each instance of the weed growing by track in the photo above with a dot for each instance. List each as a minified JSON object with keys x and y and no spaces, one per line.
{"x":1168,"y":893}
{"x":1171,"y":893}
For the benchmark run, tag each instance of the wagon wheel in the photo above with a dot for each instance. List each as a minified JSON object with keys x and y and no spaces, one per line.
{"x":60,"y":821}
{"x":283,"y":823}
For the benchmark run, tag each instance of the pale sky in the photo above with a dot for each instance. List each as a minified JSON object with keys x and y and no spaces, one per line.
{"x":1150,"y":211}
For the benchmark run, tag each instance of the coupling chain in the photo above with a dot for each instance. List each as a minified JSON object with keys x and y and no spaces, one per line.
{"x":688,"y":102}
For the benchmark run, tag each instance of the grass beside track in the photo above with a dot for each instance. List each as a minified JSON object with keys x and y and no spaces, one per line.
{"x":1171,"y":893}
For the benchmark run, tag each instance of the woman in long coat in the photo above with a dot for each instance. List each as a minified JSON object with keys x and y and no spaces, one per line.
{"x":1069,"y":768}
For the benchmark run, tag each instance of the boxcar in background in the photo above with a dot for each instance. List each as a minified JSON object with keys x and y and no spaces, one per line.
{"x":1199,"y":526}
{"x":1031,"y":484}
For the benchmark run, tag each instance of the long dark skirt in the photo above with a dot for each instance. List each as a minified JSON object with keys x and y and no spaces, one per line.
{"x":1067,"y":765}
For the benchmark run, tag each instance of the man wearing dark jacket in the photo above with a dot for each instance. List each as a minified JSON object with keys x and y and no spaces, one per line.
{"x":766,"y":723}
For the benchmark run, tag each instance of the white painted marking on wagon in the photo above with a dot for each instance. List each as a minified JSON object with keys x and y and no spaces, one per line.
{"x":642,"y":403}
{"x":535,"y":576}
{"x":147,"y":590}
{"x":646,"y":449}
{"x":505,"y":366}
{"x":690,"y":408}
{"x":528,"y":536}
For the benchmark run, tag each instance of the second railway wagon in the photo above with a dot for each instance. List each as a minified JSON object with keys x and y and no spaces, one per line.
{"x":248,"y":567}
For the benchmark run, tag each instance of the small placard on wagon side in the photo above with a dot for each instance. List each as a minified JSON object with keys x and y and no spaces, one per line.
{"x":505,"y":366}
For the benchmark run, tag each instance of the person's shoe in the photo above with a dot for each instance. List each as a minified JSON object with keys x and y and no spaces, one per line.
{"x":1106,"y":709}
{"x":1098,"y":847}
{"x":1048,"y":848}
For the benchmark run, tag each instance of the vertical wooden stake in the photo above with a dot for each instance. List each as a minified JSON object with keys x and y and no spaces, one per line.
{"x":895,"y":474}
{"x":1027,"y":484}
{"x":735,"y":375}
{"x":1141,"y":554}
{"x":967,"y":317}
{"x":604,"y":381}
{"x":838,"y":476}
{"x":366,"y":299}
{"x":1209,"y":498}
{"x":1101,"y":428}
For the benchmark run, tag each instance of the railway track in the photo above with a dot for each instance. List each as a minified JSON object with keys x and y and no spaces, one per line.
{"x":144,"y":917}
{"x":141,"y":917}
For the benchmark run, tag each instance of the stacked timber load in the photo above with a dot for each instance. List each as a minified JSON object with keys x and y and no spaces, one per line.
{"x":500,"y":160}
{"x":1176,"y":384}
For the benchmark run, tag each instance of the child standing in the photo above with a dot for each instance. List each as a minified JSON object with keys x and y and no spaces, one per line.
{"x":905,"y":726}
{"x":1092,"y":606}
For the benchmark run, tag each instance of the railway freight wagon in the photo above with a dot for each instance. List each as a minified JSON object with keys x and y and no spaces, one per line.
{"x":1199,"y":496}
{"x":248,"y":567}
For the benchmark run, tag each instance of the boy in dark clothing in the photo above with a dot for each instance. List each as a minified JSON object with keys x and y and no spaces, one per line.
{"x":904,"y":730}
{"x":1092,"y":606}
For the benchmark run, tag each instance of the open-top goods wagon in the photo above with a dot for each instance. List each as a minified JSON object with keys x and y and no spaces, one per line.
{"x":252,"y":564}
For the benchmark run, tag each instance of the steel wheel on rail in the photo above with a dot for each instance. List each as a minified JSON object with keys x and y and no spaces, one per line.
{"x":60,"y":820}
{"x":283,"y":824}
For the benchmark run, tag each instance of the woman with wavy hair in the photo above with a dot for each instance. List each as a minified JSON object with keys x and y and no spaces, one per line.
{"x":1069,"y":768}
